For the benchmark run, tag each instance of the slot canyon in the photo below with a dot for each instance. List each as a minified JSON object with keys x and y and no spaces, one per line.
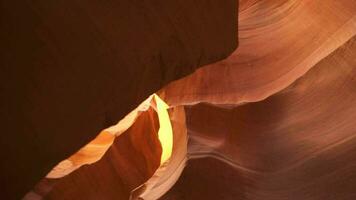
{"x":178,"y":100}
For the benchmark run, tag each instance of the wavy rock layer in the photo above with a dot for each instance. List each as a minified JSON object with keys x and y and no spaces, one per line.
{"x":279,"y":41}
{"x":297,"y":144}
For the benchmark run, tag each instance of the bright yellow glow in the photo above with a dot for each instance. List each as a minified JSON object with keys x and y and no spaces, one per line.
{"x":165,"y":132}
{"x":93,"y":151}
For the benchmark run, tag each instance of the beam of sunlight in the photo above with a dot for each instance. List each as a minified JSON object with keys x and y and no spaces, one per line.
{"x":165,"y":132}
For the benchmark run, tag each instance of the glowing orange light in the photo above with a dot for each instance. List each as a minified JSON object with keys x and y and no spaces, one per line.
{"x":94,"y":151}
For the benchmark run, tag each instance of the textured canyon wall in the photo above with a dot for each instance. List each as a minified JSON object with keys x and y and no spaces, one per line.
{"x":277,"y":120}
{"x":279,"y":41}
{"x":297,"y":144}
{"x":274,"y":120}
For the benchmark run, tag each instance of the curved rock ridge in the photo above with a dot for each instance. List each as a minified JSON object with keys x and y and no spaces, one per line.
{"x":279,"y":41}
{"x":136,"y":153}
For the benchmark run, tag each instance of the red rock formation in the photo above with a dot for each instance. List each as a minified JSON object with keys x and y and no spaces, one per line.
{"x":297,"y":144}
{"x":279,"y":41}
{"x":275,"y":120}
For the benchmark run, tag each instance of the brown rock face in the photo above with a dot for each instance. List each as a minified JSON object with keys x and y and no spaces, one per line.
{"x":297,"y":144}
